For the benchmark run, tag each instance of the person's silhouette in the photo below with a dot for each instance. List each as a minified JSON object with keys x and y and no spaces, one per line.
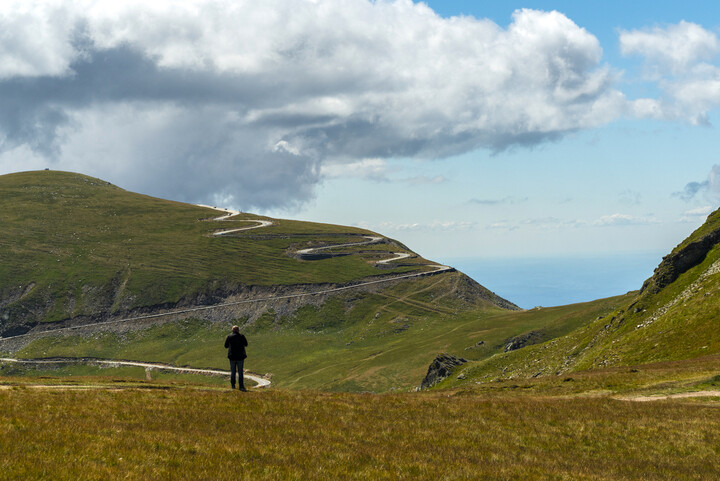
{"x":235,"y":344}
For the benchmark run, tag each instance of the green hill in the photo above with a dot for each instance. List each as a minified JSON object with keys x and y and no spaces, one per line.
{"x":75,"y":247}
{"x":674,"y":317}
{"x":77,"y":251}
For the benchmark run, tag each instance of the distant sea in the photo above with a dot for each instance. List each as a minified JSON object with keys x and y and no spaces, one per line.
{"x":555,"y":281}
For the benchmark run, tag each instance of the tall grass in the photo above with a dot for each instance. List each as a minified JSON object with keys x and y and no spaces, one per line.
{"x":200,"y":434}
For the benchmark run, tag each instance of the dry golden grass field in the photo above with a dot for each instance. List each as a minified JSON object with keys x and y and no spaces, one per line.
{"x":54,"y":428}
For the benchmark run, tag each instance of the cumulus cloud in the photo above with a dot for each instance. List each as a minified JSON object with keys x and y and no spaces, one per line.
{"x":676,"y":47}
{"x":255,"y":102}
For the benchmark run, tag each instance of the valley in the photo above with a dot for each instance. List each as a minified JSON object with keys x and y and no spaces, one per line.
{"x":114,"y":307}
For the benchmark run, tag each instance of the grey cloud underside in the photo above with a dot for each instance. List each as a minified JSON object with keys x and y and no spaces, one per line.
{"x":199,"y":156}
{"x":33,"y":108}
{"x":710,"y":188}
{"x":362,"y":137}
{"x":217,"y":158}
{"x":691,"y":189}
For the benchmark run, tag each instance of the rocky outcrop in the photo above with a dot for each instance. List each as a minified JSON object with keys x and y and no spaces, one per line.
{"x":441,"y":368}
{"x":675,"y":263}
{"x":527,"y":339}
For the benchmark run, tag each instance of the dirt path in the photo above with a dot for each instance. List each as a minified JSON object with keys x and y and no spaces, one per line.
{"x":313,"y":250}
{"x":232,"y":213}
{"x":398,"y":256}
{"x":260,"y":223}
{"x":680,"y":395}
{"x":258,"y":380}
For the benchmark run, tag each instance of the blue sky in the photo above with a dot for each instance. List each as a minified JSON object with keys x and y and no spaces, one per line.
{"x":532,"y":129}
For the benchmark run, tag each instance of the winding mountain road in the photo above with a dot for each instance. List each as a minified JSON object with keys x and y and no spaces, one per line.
{"x":232,"y":213}
{"x":228,"y":215}
{"x":398,"y":256}
{"x":313,"y":250}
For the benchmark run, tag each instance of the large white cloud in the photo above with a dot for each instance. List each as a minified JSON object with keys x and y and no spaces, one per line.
{"x":245,"y":100}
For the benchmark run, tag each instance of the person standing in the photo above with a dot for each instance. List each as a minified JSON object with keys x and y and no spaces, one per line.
{"x":235,"y":344}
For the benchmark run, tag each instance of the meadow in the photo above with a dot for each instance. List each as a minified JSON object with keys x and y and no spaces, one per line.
{"x":123,"y":429}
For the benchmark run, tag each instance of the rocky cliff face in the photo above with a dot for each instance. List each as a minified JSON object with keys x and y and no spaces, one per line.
{"x":441,"y":368}
{"x":522,"y":340}
{"x":675,"y":263}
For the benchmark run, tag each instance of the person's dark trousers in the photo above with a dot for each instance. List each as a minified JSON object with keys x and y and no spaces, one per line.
{"x":237,"y":366}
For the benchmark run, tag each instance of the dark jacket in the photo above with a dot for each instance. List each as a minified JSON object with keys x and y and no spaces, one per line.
{"x":236,"y":343}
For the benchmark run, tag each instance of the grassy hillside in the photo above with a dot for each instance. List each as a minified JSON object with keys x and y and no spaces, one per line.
{"x":74,"y":246}
{"x":674,"y":318}
{"x":375,"y":341}
{"x":79,"y":250}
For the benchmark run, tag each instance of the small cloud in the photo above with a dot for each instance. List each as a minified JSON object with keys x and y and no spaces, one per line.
{"x":436,"y":225}
{"x":690,"y":190}
{"x":424,"y":180}
{"x":704,"y":210}
{"x":710,"y":187}
{"x":368,"y":169}
{"x":624,"y":219}
{"x":543,"y":223}
{"x":692,"y":215}
{"x":554,"y":222}
{"x":502,"y":225}
{"x":504,"y":200}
